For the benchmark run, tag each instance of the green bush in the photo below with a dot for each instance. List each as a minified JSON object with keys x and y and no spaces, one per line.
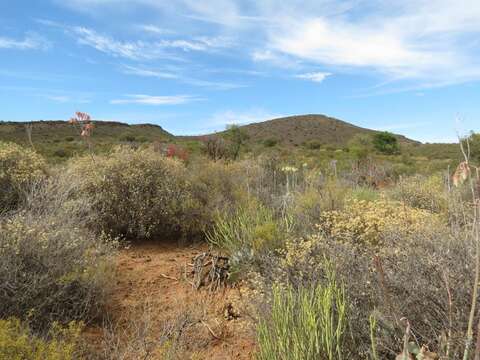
{"x":304,"y":324}
{"x":17,"y":342}
{"x":313,"y":144}
{"x":137,"y":194}
{"x":128,"y":137}
{"x":20,"y":168}
{"x":270,"y":142}
{"x":386,"y":143}
{"x":475,"y":146}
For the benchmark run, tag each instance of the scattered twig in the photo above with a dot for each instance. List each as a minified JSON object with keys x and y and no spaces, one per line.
{"x":450,"y":316}
{"x":210,"y":330}
{"x":169,"y":277}
{"x":406,"y":337}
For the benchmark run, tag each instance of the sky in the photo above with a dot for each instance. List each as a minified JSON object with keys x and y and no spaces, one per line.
{"x":192,"y":66}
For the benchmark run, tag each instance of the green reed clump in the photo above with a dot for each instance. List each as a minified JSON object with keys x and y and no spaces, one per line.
{"x":252,"y":227}
{"x":304,"y":324}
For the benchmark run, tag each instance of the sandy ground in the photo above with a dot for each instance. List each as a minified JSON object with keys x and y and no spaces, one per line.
{"x":157,"y":311}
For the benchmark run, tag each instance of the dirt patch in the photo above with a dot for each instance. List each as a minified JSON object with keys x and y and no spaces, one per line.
{"x":153,"y":300}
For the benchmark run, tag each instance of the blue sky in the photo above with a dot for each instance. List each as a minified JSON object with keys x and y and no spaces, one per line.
{"x":193,"y":66}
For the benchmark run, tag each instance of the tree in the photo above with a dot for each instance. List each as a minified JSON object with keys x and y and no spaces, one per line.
{"x":215,"y":147}
{"x":474,"y":140}
{"x":386,"y":143}
{"x":237,"y":137}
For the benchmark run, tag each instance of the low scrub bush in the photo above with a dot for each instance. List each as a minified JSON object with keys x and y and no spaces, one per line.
{"x":51,"y":267}
{"x":20,"y":168}
{"x":17,"y":342}
{"x":424,"y":276}
{"x":304,"y":323}
{"x":428,"y":193}
{"x":137,"y":194}
{"x":217,"y":187}
{"x":365,"y":222}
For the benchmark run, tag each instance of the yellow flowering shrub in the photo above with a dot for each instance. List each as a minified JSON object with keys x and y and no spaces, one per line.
{"x":364,"y":222}
{"x":18,"y":343}
{"x":19,"y":168}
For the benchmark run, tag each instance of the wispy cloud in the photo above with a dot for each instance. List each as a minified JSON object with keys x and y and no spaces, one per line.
{"x":156,"y":100}
{"x":134,"y":70}
{"x":137,"y":50}
{"x":159,"y":74}
{"x":314,"y":76}
{"x":58,"y":98}
{"x":31,"y":41}
{"x":404,"y":42}
{"x":64,"y":98}
{"x":155,"y":30}
{"x":275,"y":58}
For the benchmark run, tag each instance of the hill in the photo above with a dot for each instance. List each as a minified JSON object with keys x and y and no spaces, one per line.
{"x":298,"y":130}
{"x":60,"y":139}
{"x":57,"y":140}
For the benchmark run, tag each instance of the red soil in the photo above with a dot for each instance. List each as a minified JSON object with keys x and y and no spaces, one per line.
{"x":153,"y":276}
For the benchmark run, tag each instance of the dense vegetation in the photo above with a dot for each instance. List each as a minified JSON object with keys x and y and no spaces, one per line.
{"x":354,"y":253}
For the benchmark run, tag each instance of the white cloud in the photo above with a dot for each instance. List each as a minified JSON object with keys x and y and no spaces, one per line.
{"x":58,"y":98}
{"x":63,"y":99}
{"x":31,"y":41}
{"x":156,"y":100}
{"x":149,"y":28}
{"x":137,"y":50}
{"x":425,"y":43}
{"x":140,"y":71}
{"x":134,"y":70}
{"x":404,"y":41}
{"x":275,"y":58}
{"x":314,"y":76}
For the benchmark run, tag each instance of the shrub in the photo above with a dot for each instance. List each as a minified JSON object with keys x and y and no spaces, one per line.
{"x":219,"y":187}
{"x":237,"y":137}
{"x":50,"y":272}
{"x":386,"y":143}
{"x":428,"y":193}
{"x":364,"y":222}
{"x":137,"y":194}
{"x":61,"y":153}
{"x":270,"y":142}
{"x":20,"y":168}
{"x":128,"y":137}
{"x":51,"y":268}
{"x":17,"y":342}
{"x":474,"y":140}
{"x":307,"y":206}
{"x":361,"y":146}
{"x":423,"y":275}
{"x":313,"y":144}
{"x":305,"y":323}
